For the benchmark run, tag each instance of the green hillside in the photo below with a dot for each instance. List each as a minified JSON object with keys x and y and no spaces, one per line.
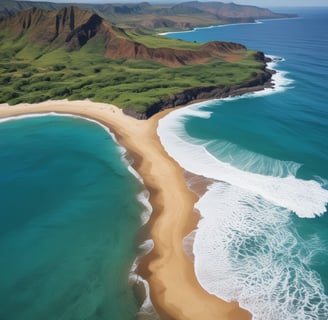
{"x":31,"y":72}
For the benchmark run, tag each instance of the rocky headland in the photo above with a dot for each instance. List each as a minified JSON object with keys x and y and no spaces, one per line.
{"x":258,"y":83}
{"x":71,"y":29}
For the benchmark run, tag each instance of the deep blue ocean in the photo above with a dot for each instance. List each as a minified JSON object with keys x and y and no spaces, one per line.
{"x":69,"y":221}
{"x":263,"y":239}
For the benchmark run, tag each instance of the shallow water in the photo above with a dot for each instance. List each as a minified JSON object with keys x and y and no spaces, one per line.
{"x":69,"y":221}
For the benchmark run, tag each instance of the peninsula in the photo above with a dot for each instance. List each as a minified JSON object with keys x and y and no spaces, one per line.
{"x":70,"y":60}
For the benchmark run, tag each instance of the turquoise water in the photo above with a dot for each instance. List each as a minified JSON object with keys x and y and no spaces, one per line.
{"x":263,"y":238}
{"x":69,"y":221}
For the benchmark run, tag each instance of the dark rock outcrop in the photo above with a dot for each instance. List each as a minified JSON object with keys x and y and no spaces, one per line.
{"x":82,"y":34}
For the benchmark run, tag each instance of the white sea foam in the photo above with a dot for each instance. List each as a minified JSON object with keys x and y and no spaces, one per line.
{"x":280,"y":80}
{"x":147,"y":310}
{"x":33,"y":115}
{"x":199,"y":113}
{"x":246,"y":250}
{"x":305,"y":198}
{"x":249,"y":161}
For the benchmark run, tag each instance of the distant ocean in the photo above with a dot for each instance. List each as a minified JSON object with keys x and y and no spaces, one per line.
{"x":263,"y":239}
{"x":69,"y":221}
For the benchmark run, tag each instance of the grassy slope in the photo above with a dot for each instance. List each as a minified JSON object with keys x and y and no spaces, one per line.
{"x":31,"y":74}
{"x":147,"y":38}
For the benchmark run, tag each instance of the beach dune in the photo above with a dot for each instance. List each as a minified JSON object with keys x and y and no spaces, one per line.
{"x":174,"y":289}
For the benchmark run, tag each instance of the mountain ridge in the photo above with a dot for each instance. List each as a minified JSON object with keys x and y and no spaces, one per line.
{"x":45,"y":27}
{"x":73,"y":28}
{"x":184,"y":15}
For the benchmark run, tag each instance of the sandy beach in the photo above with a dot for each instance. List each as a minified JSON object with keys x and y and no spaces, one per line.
{"x":175,"y":291}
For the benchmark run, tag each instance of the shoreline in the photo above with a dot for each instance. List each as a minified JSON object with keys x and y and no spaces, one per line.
{"x":256,"y":21}
{"x":200,"y":94}
{"x":174,"y":289}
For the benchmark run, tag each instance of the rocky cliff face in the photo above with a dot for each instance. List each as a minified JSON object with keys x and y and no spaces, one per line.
{"x":123,"y":48}
{"x":70,"y":26}
{"x":259,"y":82}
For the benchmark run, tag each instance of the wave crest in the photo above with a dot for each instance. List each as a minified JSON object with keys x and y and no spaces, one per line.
{"x":306,"y":198}
{"x":246,"y":250}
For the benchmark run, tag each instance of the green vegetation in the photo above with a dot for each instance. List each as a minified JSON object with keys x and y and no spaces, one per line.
{"x":29,"y":73}
{"x":149,"y":40}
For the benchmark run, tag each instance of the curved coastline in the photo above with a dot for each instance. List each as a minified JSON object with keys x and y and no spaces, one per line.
{"x":174,"y":124}
{"x":174,"y":288}
{"x":256,"y":21}
{"x":258,"y":82}
{"x":139,"y":285}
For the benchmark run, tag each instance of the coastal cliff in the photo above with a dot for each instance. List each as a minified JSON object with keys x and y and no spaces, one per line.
{"x":257,"y":83}
{"x":76,"y":54}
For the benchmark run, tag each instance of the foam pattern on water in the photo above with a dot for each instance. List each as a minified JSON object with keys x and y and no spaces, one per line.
{"x":305,"y":198}
{"x":246,"y":250}
{"x":247,"y":160}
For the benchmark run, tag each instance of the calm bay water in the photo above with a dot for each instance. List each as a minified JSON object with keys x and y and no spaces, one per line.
{"x":69,"y":222}
{"x":263,"y":239}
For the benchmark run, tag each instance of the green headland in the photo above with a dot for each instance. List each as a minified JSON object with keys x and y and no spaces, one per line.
{"x":77,"y":54}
